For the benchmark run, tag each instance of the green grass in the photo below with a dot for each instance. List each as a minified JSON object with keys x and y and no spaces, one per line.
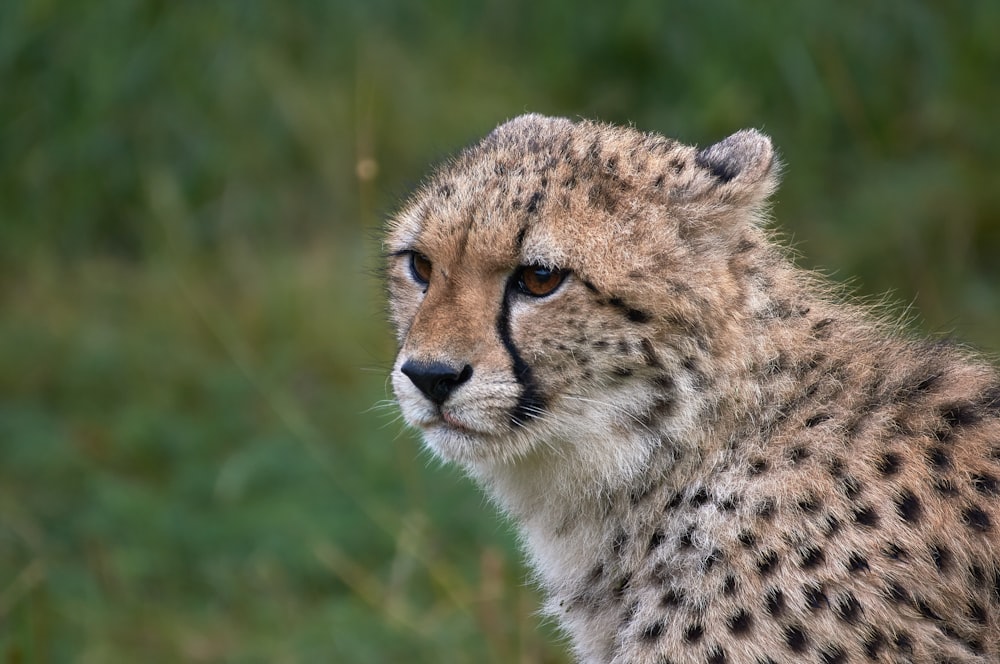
{"x":194,"y":471}
{"x":197,"y":457}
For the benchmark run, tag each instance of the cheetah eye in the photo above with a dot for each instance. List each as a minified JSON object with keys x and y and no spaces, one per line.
{"x":421,"y":268}
{"x":538,"y":281}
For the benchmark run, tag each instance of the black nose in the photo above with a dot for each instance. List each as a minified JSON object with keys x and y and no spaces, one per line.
{"x":436,"y":380}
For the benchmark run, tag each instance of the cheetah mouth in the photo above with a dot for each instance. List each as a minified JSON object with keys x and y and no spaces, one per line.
{"x":448,"y":421}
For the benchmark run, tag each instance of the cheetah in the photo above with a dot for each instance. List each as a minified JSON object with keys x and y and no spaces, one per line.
{"x":711,"y":456}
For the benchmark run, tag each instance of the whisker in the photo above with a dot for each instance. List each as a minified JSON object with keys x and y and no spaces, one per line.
{"x":615,"y":407}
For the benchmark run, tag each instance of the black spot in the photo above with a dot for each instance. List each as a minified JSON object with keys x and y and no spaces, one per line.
{"x":765,"y":509}
{"x":848,"y":608}
{"x":716,"y":656}
{"x":908,"y":506}
{"x":857,"y":563}
{"x":729,"y":585}
{"x":776,"y":365}
{"x":798,"y":453}
{"x":874,"y":644}
{"x":785,"y":309}
{"x":831,"y":525}
{"x":926,"y":610}
{"x":974,"y":517}
{"x":815,"y":597}
{"x":833,"y":655}
{"x":690,"y":363}
{"x":817,"y":419}
{"x":977,"y":575}
{"x":590,"y":286}
{"x":809,"y":503}
{"x":658,"y":182}
{"x":519,"y":241}
{"x":927,"y":383}
{"x":533,"y":202}
{"x":888,"y":464}
{"x":896,"y":592}
{"x":977,"y":613}
{"x":774,"y":602}
{"x":759,"y":466}
{"x":985,"y":484}
{"x":820,"y":328}
{"x":740,"y":622}
{"x":685,"y":539}
{"x":662,"y":381}
{"x":938,"y":458}
{"x":640,"y":493}
{"x":653,"y":631}
{"x":619,"y":587}
{"x":713,"y":558}
{"x":747,"y":538}
{"x":604,"y":196}
{"x":663,"y":406}
{"x":673,"y":597}
{"x":674,"y":501}
{"x":693,"y":633}
{"x":767,"y":563}
{"x":445,"y":190}
{"x":699,"y":498}
{"x":941,"y":556}
{"x":866,"y":516}
{"x":811,"y":557}
{"x":904,"y":643}
{"x":795,"y":638}
{"x":960,"y":415}
{"x":945,"y":487}
{"x":729,"y":504}
{"x":852,"y":488}
{"x":836,"y":467}
{"x":637,"y":316}
{"x":656,"y":539}
{"x":896,"y":552}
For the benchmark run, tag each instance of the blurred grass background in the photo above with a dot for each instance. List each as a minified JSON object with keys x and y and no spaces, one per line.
{"x":197,"y":460}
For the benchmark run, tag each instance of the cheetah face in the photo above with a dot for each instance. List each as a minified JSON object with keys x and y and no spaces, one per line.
{"x":499,"y":355}
{"x":544,"y":287}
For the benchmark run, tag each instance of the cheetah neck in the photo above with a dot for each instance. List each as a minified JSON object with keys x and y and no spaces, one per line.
{"x":566,"y":505}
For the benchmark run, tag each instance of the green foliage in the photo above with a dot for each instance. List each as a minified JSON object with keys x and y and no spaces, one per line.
{"x":198,"y":462}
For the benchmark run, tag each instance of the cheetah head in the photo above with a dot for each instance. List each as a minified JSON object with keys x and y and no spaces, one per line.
{"x":552,"y":285}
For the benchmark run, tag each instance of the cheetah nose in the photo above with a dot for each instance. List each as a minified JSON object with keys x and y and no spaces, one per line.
{"x":436,"y":380}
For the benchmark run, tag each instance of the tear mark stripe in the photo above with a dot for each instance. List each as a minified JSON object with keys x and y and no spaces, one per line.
{"x":530,"y":403}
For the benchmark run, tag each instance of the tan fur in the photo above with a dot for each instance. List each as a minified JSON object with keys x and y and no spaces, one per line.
{"x":710,"y":458}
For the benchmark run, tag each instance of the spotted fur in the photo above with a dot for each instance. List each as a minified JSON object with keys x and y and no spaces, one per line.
{"x":709,"y":456}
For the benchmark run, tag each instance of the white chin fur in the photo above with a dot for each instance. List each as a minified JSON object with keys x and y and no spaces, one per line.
{"x":562,"y":448}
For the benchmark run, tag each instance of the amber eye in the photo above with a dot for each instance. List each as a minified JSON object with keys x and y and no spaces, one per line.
{"x":421,"y":268}
{"x":538,"y":281}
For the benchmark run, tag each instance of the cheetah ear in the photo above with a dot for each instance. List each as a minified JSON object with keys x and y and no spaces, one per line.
{"x":739,"y":171}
